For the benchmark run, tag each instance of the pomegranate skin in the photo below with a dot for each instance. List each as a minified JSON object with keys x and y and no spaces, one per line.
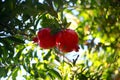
{"x":46,"y":39}
{"x":35,"y":40}
{"x":67,"y":41}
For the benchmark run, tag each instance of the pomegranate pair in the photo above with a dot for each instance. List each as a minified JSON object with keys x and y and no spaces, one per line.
{"x":65,"y":40}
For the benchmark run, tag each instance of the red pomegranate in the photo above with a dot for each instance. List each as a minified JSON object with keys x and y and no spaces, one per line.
{"x":46,"y":40}
{"x":67,"y":40}
{"x":35,"y":40}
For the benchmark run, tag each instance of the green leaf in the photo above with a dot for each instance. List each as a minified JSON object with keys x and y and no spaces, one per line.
{"x":17,"y":40}
{"x":82,"y":77}
{"x":68,"y":24}
{"x":58,"y":4}
{"x":3,"y":52}
{"x":57,"y":58}
{"x":55,"y":74}
{"x":51,"y":9}
{"x":3,"y":72}
{"x":7,"y":45}
{"x":14,"y":73}
{"x":16,"y":58}
{"x":47,"y":55}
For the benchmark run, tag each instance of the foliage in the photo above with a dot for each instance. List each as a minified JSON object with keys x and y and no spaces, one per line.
{"x":97,"y":23}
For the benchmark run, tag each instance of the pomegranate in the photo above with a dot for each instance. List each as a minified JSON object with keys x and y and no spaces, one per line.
{"x":46,"y":40}
{"x":35,"y":40}
{"x":67,"y":40}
